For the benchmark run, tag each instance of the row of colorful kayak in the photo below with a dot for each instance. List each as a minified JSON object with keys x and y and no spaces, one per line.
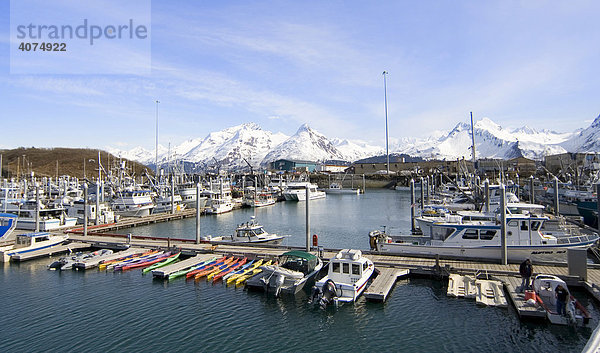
{"x":149,"y":260}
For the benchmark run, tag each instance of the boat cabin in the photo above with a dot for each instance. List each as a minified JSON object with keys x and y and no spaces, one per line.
{"x":29,"y":239}
{"x":347,"y":266}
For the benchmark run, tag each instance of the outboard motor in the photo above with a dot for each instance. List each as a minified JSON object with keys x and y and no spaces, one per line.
{"x":276,"y":282}
{"x":328,"y":294}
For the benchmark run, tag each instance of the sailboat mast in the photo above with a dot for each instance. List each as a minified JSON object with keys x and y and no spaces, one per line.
{"x":473,"y":141}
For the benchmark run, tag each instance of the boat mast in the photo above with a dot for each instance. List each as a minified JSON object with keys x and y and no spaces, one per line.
{"x":473,"y":144}
{"x":387,"y":152}
{"x":156,"y":146}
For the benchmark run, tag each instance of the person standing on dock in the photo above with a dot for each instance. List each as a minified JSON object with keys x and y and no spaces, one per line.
{"x":561,"y":300}
{"x":526,"y":270}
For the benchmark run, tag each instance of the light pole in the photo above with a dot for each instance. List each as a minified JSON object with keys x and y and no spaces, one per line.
{"x":387,"y":152}
{"x":156,"y":147}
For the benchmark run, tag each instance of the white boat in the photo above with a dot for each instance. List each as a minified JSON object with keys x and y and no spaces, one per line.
{"x":133,"y":203}
{"x":346,"y":279}
{"x":461,"y":286}
{"x":49,"y":218}
{"x":335,"y":188}
{"x":188,"y":196}
{"x":545,"y":287}
{"x":219,"y":198}
{"x":105,"y":213}
{"x":30,"y":242}
{"x":248,"y":233}
{"x":162,"y":204}
{"x":490,"y":293}
{"x":296,"y":269}
{"x":454,"y":237}
{"x":261,"y":200}
{"x":296,"y":191}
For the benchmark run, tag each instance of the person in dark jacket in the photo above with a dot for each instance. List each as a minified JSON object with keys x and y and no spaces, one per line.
{"x":561,"y":300}
{"x":526,"y":270}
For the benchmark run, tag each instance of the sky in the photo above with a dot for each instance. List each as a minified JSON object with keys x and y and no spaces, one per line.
{"x":280,"y":64}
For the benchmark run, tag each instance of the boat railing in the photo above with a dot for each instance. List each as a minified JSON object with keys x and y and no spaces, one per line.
{"x":577,"y":239}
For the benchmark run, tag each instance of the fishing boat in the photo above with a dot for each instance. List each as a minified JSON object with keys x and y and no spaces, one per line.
{"x":219,"y":199}
{"x":48,"y":218}
{"x":133,"y":203}
{"x":545,"y":288}
{"x":335,"y":188}
{"x":188,"y":194}
{"x":31,"y":242}
{"x":346,"y":279}
{"x":249,"y":232}
{"x":530,"y":235}
{"x":261,"y":200}
{"x":163,"y":203}
{"x":296,"y":269}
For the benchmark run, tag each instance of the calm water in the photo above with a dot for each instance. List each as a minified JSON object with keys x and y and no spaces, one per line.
{"x":97,"y":311}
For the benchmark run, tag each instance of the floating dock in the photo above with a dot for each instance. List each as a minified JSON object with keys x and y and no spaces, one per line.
{"x":383,"y":283}
{"x":129,"y":222}
{"x":59,"y":249}
{"x":164,"y":272}
{"x":511,"y":284}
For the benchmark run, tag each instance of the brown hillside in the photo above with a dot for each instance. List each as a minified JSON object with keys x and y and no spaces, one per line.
{"x":43,"y":162}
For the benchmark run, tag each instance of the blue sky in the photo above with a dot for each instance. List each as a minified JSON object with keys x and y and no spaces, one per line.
{"x":284,"y":63}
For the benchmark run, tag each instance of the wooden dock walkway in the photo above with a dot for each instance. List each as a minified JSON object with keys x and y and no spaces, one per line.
{"x":512,"y":284}
{"x":130,"y":222}
{"x":55,"y":250}
{"x":383,"y":283}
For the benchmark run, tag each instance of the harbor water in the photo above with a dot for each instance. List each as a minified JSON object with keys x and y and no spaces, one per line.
{"x":96,"y":311}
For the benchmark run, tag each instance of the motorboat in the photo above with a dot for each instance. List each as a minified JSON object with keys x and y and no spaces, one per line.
{"x":346,"y":279}
{"x":188,"y":194}
{"x":295,"y":269}
{"x":219,"y":200}
{"x":133,"y":203}
{"x":166,"y":203}
{"x":262,"y":199}
{"x":105,"y":213}
{"x":48,"y":218}
{"x":69,"y":262}
{"x":335,"y":188}
{"x":249,"y":232}
{"x":30,"y":242}
{"x":544,"y":287}
{"x":529,"y":235}
{"x":296,"y":191}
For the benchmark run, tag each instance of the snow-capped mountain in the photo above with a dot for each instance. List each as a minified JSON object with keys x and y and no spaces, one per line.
{"x":229,"y":147}
{"x":491,"y":141}
{"x":587,"y":140}
{"x":305,"y":144}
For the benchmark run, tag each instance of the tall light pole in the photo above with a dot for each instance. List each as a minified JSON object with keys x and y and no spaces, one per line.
{"x":387,"y":152}
{"x":156,"y":147}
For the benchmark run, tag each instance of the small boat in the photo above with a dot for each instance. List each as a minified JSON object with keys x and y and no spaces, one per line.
{"x":336,"y":188}
{"x":212,"y":268}
{"x":250,"y":267}
{"x":216,"y":271}
{"x":69,"y":262}
{"x":544,"y":287}
{"x":461,"y":286}
{"x":169,"y":260}
{"x":228,"y":270}
{"x":249,"y":232}
{"x":183,"y":272}
{"x":31,"y":242}
{"x":490,"y":293}
{"x":346,"y":279}
{"x":296,"y":269}
{"x":240,"y":281}
{"x":197,"y":270}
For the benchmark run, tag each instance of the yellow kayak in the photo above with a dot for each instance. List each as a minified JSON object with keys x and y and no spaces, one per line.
{"x":242,"y":279}
{"x":232,"y":279}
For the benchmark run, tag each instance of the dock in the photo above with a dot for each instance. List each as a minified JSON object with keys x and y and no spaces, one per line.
{"x":54,"y":250}
{"x":383,"y":283}
{"x":164,"y":272}
{"x":130,"y":222}
{"x":524,"y":310}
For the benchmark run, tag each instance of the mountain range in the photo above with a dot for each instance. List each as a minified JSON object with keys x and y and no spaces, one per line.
{"x":247,"y":144}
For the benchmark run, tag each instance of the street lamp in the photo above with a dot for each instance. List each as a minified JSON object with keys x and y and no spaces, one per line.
{"x":387,"y":151}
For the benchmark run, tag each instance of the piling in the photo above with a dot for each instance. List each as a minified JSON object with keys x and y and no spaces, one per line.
{"x":198,"y":187}
{"x":85,"y":209}
{"x":503,"y":224}
{"x":531,"y":190}
{"x":427,"y":190}
{"x":556,"y":199}
{"x":412,"y":205}
{"x":307,"y":218}
{"x":518,"y":186}
{"x":486,"y":184}
{"x":422,"y":195}
{"x":364,"y":184}
{"x":97,"y":219}
{"x":173,"y":194}
{"x":37,"y":206}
